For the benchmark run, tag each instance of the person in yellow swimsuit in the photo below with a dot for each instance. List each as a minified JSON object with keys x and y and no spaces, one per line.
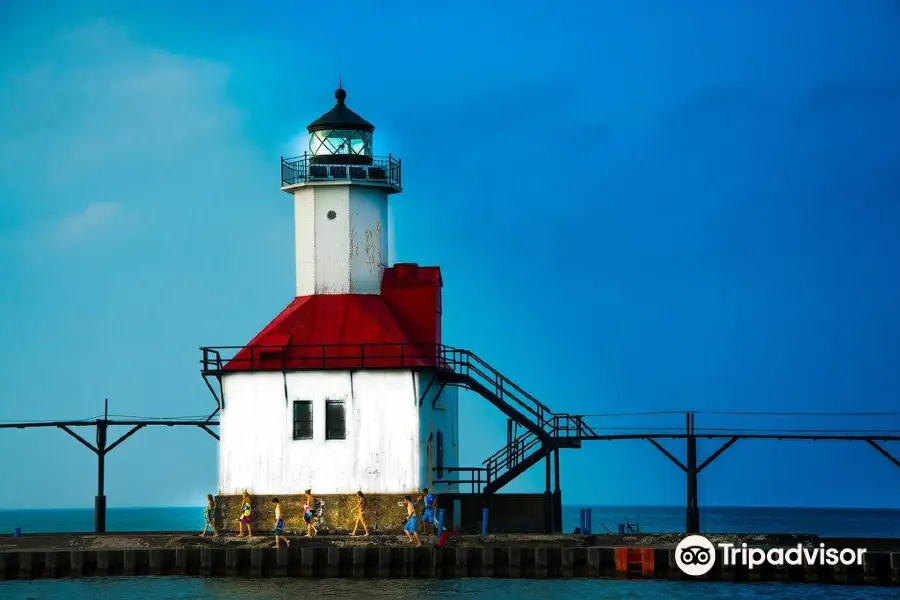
{"x":246,"y":514}
{"x":360,"y":513}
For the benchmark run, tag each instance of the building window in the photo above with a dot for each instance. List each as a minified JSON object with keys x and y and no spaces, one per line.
{"x":440,"y":454}
{"x":335,"y":422}
{"x":303,"y":420}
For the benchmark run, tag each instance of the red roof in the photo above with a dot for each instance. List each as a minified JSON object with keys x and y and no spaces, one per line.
{"x":332,"y":332}
{"x":399,"y":328}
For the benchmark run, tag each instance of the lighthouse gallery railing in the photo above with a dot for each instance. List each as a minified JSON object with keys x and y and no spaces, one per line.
{"x":301,"y":169}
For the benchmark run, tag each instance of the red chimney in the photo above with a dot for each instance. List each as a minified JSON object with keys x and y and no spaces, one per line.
{"x":414,"y":295}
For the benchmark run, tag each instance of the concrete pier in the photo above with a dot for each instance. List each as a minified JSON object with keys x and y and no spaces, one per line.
{"x":372,"y":562}
{"x":75,"y":556}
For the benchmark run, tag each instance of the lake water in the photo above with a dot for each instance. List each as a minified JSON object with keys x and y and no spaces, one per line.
{"x":165,"y":588}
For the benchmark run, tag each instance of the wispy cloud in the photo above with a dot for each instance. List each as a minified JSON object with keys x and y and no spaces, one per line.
{"x":93,"y":223}
{"x":100,"y":102}
{"x":95,"y":218}
{"x":89,"y":115}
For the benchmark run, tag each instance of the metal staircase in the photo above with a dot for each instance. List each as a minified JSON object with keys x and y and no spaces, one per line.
{"x":545,"y":431}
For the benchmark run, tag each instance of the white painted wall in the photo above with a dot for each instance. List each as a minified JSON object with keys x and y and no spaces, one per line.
{"x":439,"y":413}
{"x":383,"y":452}
{"x":344,"y":255}
{"x":368,"y":238}
{"x":305,"y":241}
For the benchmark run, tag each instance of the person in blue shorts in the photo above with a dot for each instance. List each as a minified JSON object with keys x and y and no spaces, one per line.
{"x":308,"y":507}
{"x":428,"y":511}
{"x":209,"y":515}
{"x":279,"y":525}
{"x":412,"y":533}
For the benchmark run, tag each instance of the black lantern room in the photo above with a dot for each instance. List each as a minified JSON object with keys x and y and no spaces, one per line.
{"x":340,"y":136}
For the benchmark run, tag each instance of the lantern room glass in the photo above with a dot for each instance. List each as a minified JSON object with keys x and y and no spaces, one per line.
{"x":340,"y":141}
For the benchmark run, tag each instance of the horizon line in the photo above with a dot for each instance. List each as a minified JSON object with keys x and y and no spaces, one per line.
{"x":592,"y":506}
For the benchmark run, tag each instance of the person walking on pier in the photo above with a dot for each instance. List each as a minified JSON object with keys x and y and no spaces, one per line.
{"x":428,"y":511}
{"x":279,"y":525}
{"x":210,"y":515}
{"x":412,"y":533}
{"x":360,"y":513}
{"x":246,"y":514}
{"x":308,"y":507}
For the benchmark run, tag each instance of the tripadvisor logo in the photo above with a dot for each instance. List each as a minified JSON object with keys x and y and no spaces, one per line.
{"x":695,"y":556}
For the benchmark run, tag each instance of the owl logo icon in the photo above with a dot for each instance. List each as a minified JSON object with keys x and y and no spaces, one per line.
{"x":695,"y":555}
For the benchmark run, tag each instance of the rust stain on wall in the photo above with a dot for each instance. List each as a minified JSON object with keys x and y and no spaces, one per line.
{"x":373,"y":244}
{"x":354,"y":241}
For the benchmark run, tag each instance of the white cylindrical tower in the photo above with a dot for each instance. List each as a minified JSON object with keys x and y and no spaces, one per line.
{"x":340,"y":195}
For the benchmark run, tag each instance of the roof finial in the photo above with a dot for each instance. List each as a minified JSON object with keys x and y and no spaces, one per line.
{"x":340,"y":95}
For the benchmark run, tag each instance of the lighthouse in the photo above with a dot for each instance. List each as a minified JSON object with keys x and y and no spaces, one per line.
{"x":341,"y":391}
{"x":350,"y":388}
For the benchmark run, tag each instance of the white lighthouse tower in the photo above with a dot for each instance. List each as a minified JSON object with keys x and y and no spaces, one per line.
{"x":339,"y":392}
{"x":340,"y":205}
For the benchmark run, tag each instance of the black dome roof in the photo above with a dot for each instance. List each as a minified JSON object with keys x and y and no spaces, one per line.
{"x":340,"y":117}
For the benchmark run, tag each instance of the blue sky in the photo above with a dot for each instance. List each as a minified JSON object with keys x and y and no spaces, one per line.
{"x":636,"y":205}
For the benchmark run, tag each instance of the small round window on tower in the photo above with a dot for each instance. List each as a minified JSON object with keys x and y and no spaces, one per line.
{"x":331,"y":214}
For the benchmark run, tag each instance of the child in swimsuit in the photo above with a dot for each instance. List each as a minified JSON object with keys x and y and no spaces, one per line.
{"x":308,"y":507}
{"x":428,"y":511}
{"x":279,"y":525}
{"x":210,"y":516}
{"x":360,"y":513}
{"x":246,"y":513}
{"x":410,"y":528}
